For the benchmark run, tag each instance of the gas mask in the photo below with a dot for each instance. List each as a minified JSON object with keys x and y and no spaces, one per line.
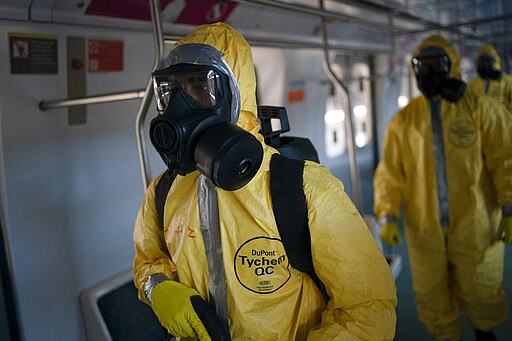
{"x":431,"y":73}
{"x":432,"y":70}
{"x":193,"y":129}
{"x":485,"y":67}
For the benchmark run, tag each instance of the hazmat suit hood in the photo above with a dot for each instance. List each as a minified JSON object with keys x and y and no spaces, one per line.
{"x":238,"y":55}
{"x":219,"y":138}
{"x":438,"y":41}
{"x":490,"y":50}
{"x":490,"y":80}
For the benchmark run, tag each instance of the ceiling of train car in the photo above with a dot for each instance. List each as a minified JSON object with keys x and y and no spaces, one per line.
{"x":471,"y":22}
{"x":367,"y":25}
{"x":404,"y":22}
{"x":379,"y":25}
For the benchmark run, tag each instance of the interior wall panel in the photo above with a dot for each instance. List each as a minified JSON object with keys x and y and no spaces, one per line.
{"x":72,"y":192}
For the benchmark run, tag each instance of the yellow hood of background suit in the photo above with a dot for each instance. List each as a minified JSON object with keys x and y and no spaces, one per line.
{"x":490,"y":50}
{"x":438,"y":41}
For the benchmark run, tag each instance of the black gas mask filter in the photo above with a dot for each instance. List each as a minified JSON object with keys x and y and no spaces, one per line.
{"x":193,"y":129}
{"x":485,"y":67}
{"x":432,"y":70}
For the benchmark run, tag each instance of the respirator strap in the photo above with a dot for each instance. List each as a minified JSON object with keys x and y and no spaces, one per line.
{"x":440,"y":166}
{"x":210,"y":229}
{"x":161,"y":190}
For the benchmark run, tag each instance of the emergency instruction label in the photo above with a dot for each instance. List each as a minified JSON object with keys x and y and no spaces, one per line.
{"x":105,"y":55}
{"x":261,"y":265}
{"x":33,"y":53}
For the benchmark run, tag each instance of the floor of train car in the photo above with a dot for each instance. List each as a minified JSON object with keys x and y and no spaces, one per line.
{"x":409,"y":326}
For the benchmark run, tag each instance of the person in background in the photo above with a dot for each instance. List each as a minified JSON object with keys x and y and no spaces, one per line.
{"x":491,"y":80}
{"x":244,"y":273}
{"x":447,"y":157}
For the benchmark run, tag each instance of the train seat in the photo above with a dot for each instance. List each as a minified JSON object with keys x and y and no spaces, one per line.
{"x":112,"y":311}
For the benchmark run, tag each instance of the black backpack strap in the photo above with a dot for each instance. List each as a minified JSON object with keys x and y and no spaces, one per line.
{"x":291,"y":214}
{"x":161,"y":190}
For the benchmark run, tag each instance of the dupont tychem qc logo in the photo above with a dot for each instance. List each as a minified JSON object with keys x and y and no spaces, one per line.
{"x":462,"y":134}
{"x":261,"y":265}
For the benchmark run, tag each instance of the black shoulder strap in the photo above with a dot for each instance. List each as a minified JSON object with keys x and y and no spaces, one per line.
{"x":291,"y":214}
{"x":289,"y":206}
{"x":161,"y":190}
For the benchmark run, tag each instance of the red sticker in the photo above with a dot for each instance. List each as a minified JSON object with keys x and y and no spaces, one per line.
{"x":105,"y":55}
{"x":296,"y":91}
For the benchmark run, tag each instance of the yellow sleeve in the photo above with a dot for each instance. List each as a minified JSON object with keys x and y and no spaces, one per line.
{"x":348,"y":261}
{"x":151,"y":254}
{"x":507,"y":96}
{"x":496,"y":130}
{"x":389,"y":178}
{"x":476,"y":85}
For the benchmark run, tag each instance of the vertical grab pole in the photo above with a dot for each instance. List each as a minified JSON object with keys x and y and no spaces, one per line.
{"x":146,"y":100}
{"x":354,"y":174}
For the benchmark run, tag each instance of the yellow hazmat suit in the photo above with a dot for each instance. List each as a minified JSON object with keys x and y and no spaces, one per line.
{"x":459,"y":266}
{"x":500,"y":89}
{"x":267,"y":298}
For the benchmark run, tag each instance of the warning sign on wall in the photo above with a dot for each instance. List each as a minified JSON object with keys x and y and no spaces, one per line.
{"x":105,"y":55}
{"x":32,"y":53}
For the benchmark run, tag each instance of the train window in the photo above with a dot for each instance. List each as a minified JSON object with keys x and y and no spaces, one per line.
{"x":360,"y":125}
{"x":402,"y":101}
{"x":334,"y":119}
{"x":360,"y":92}
{"x":467,"y":68}
{"x":334,"y":133}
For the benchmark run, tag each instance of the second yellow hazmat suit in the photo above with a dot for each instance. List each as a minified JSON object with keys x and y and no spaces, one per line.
{"x":278,"y":302}
{"x":500,"y":89}
{"x":459,"y":266}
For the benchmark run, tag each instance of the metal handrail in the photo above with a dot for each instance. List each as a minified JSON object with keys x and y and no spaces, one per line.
{"x":110,"y":97}
{"x":148,"y":95}
{"x":139,"y":93}
{"x":354,"y":173}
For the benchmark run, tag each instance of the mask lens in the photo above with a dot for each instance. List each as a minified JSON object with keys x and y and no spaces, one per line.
{"x":429,"y":65}
{"x":163,"y":93}
{"x":203,"y":88}
{"x":485,"y":61}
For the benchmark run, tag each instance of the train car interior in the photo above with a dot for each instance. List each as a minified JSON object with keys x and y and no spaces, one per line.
{"x":76,"y":99}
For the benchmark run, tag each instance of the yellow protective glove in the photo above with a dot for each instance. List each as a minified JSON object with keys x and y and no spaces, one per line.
{"x":505,"y":230}
{"x":390,"y":234}
{"x":183,"y":312}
